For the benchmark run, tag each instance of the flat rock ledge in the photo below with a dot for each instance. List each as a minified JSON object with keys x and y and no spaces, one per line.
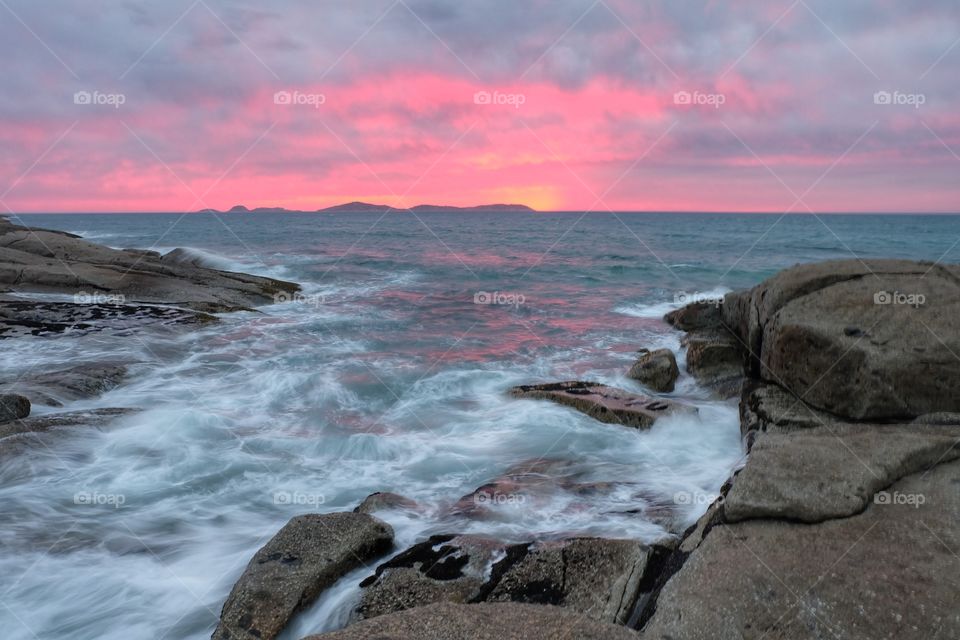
{"x":491,"y":621}
{"x":845,"y":520}
{"x":21,"y":318}
{"x":46,"y":261}
{"x":603,"y":403}
{"x":304,"y":558}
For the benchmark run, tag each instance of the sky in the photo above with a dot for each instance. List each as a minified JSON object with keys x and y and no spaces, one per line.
{"x":663,"y":105}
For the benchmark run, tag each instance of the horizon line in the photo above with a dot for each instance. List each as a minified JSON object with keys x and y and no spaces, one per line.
{"x":468,"y":210}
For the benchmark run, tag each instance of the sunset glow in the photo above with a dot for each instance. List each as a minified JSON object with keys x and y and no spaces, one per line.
{"x":403,"y":103}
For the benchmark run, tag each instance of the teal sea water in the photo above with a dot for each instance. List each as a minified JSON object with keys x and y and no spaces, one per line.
{"x":387,"y":373}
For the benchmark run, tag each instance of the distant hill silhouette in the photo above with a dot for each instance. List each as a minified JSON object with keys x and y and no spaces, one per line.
{"x":366,"y":207}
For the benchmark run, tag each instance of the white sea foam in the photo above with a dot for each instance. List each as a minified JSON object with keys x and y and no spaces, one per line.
{"x":675,"y":301}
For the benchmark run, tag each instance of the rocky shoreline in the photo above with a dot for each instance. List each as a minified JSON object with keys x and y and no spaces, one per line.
{"x":843,"y":523}
{"x":122,"y":291}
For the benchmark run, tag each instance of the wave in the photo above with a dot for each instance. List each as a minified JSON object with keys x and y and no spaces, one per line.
{"x":663,"y":307}
{"x":252,"y":264}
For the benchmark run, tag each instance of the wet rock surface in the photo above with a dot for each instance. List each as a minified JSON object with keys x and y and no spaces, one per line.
{"x":13,"y":407}
{"x":306,"y":556}
{"x":603,"y":403}
{"x":19,"y":435}
{"x":444,"y":568}
{"x":20,"y":318}
{"x":599,"y":578}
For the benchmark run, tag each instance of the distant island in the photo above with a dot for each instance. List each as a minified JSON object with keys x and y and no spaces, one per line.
{"x":366,"y":207}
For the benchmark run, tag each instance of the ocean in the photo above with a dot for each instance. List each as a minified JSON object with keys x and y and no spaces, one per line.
{"x":387,"y":373}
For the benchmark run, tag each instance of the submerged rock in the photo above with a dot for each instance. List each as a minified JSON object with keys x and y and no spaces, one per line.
{"x":493,"y":621}
{"x":55,"y":388}
{"x":384,"y":500}
{"x":13,"y":407}
{"x":606,"y":404}
{"x":656,"y":369}
{"x":40,"y":424}
{"x":19,"y":436}
{"x":304,"y":558}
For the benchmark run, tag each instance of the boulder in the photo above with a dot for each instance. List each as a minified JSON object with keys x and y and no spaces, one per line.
{"x":304,"y":558}
{"x":606,"y":404}
{"x":888,"y":572}
{"x":656,"y":369}
{"x":844,"y":520}
{"x":45,"y":261}
{"x":715,"y":359}
{"x":864,"y":340}
{"x":493,"y":621}
{"x":697,"y":315}
{"x":13,"y":407}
